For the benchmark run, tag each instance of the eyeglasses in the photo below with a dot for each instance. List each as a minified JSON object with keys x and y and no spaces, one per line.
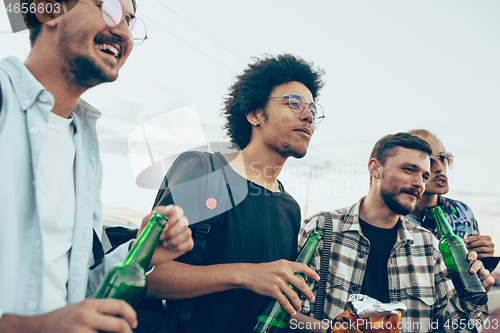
{"x":297,"y":104}
{"x":445,"y":158}
{"x":112,"y":15}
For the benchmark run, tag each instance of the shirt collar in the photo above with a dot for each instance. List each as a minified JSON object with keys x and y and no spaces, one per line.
{"x":26,"y":87}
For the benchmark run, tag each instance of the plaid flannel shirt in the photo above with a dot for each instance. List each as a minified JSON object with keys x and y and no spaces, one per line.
{"x":415,"y":268}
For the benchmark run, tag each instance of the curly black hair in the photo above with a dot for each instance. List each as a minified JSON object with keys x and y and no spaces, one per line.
{"x":253,"y":87}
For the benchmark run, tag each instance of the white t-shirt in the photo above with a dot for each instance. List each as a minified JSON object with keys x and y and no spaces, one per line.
{"x":55,"y":194}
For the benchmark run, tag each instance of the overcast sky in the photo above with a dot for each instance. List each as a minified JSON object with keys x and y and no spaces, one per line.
{"x":390,"y":66}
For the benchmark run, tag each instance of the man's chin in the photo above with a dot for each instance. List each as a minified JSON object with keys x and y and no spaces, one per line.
{"x":400,"y":208}
{"x":298,"y":155}
{"x":87,"y":74}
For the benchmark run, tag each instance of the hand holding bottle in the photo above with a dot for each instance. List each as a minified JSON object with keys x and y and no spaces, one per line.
{"x":273,"y":279}
{"x":127,"y":280}
{"x":484,"y":275}
{"x":175,"y":238}
{"x":468,"y":285}
{"x":482,"y":244}
{"x":274,"y":318}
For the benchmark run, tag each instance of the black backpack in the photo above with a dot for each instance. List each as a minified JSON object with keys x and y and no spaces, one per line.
{"x":152,"y":315}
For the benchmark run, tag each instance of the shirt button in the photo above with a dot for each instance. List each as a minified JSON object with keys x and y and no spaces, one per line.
{"x":33,"y":130}
{"x":43,"y":98}
{"x":361,"y":255}
{"x":38,"y":243}
{"x":32,"y":306}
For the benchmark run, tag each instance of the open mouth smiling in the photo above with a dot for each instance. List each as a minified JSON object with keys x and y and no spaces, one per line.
{"x":113,"y":50}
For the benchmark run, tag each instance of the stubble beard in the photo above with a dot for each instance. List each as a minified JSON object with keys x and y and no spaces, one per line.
{"x":389,"y":196}
{"x":83,"y":71}
{"x":87,"y":73}
{"x":290,"y":150}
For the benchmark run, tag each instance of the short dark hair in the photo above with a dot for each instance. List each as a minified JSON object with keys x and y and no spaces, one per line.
{"x":386,"y":147}
{"x":253,"y":87}
{"x":35,"y":26}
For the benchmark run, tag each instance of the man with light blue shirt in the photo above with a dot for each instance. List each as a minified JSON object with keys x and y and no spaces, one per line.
{"x":50,"y":173}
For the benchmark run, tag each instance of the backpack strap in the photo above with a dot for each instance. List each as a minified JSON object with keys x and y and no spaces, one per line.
{"x":219,"y":164}
{"x":203,"y":228}
{"x":215,"y":188}
{"x":323,"y":271}
{"x":97,"y":251}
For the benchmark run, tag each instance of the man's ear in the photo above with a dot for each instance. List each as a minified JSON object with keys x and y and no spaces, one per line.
{"x":253,"y":118}
{"x":374,"y":168}
{"x":47,"y":10}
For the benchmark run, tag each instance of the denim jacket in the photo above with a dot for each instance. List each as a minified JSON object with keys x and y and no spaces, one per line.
{"x":24,"y":118}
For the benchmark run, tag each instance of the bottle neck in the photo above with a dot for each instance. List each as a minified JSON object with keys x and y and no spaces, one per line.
{"x":142,"y":251}
{"x":444,"y":228}
{"x":307,"y":251}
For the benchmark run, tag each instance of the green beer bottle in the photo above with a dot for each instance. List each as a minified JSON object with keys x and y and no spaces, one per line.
{"x":454,"y":252}
{"x":273,"y":318}
{"x":127,"y":280}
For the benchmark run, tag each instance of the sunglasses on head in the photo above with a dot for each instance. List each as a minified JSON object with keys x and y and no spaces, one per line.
{"x":297,"y":104}
{"x":112,"y":15}
{"x":445,"y":158}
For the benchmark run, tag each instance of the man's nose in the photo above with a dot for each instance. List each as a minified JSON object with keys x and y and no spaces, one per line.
{"x":122,"y":30}
{"x":306,"y":114}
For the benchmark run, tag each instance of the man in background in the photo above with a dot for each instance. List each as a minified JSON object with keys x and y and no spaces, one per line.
{"x":458,"y":214}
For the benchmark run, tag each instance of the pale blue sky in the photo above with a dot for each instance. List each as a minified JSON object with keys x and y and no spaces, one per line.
{"x":391,"y":66}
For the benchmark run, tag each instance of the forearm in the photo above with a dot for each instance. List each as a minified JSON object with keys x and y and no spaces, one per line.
{"x":12,"y":324}
{"x":176,"y":280}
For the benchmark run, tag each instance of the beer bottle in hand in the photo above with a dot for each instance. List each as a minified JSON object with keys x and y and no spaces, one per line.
{"x":127,"y":280}
{"x":454,"y":252}
{"x":274,"y":318}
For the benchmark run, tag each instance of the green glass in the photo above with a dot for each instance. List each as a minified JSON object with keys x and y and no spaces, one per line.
{"x":455,"y":253}
{"x":274,"y":318}
{"x":127,"y":280}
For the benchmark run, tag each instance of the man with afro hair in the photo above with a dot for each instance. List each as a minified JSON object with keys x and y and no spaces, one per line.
{"x":271,"y":115}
